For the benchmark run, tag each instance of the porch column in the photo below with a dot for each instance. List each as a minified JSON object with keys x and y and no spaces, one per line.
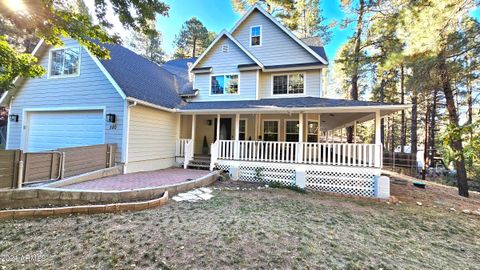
{"x":258,"y":127}
{"x":194,"y":119}
{"x":300,"y":138}
{"x":319,"y":133}
{"x":378,"y":142}
{"x":218,"y":127}
{"x":236,"y":148}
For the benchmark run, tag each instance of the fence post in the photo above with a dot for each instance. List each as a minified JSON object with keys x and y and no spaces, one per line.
{"x":20,"y":174}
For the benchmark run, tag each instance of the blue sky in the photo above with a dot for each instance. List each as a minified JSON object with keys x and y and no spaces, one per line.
{"x":217,"y":15}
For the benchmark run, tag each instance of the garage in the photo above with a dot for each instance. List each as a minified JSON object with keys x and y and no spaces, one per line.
{"x":47,"y":130}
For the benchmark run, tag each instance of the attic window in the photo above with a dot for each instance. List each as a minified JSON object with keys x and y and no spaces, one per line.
{"x":256,"y":36}
{"x":225,"y":48}
{"x":64,"y":62}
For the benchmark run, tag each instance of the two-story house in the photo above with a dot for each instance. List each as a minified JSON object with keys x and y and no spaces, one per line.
{"x":252,"y":104}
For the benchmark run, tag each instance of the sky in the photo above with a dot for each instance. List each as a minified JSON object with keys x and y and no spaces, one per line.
{"x":217,"y":15}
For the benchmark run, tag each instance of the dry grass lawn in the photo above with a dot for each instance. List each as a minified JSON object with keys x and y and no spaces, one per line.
{"x":238,"y":229}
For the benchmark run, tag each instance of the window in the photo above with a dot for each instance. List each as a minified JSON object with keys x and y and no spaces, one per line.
{"x":225,"y":48}
{"x":291,"y":131}
{"x":65,"y":62}
{"x":243,"y":129}
{"x":270,"y":130}
{"x":224,"y":84}
{"x":256,"y":36}
{"x":288,"y":84}
{"x":312,"y":131}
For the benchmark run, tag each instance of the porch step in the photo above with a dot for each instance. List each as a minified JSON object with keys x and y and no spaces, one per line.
{"x":202,"y":163}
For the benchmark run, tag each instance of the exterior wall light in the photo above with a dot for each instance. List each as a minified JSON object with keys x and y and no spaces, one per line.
{"x":14,"y":117}
{"x":111,"y":117}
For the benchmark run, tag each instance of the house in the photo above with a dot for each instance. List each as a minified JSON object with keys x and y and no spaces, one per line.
{"x":253,"y":104}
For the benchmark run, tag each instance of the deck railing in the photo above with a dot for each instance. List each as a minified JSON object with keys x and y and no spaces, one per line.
{"x":180,"y":147}
{"x":344,"y":154}
{"x":188,"y":153}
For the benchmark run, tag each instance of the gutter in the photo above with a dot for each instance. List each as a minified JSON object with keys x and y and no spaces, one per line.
{"x":136,"y":101}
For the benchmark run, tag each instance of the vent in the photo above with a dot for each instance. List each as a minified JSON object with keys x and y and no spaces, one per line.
{"x":225,"y":48}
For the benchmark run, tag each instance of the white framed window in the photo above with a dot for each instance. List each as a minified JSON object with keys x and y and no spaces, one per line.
{"x":243,"y":130}
{"x":288,"y":84}
{"x":270,"y":130}
{"x":292,"y":130}
{"x":256,"y":36}
{"x":64,"y":62}
{"x":227,"y":84}
{"x":312,"y":131}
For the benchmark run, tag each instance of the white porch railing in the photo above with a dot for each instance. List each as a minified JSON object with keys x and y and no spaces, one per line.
{"x":180,"y":147}
{"x":344,"y":154}
{"x":188,"y":153}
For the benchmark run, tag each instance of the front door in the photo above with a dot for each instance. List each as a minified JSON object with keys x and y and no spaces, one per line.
{"x":225,"y":129}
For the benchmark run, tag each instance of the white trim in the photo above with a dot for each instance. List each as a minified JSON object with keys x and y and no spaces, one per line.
{"x":227,"y":34}
{"x":7,"y":141}
{"x":224,"y":94}
{"x":301,"y":68}
{"x":126,"y":122}
{"x":25,"y":128}
{"x":261,"y":36}
{"x":148,"y":104}
{"x":263,"y":128}
{"x":288,"y":80}
{"x":257,"y":86}
{"x":49,"y":67}
{"x":288,"y":32}
{"x":107,"y":74}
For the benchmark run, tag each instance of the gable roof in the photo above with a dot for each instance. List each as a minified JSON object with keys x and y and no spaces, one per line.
{"x":179,"y":68}
{"x":288,"y":32}
{"x":140,"y":78}
{"x":228,"y":35}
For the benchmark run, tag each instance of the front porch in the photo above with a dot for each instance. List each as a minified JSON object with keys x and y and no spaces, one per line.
{"x":307,"y":149}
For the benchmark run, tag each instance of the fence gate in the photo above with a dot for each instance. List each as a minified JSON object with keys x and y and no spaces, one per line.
{"x":9,"y":160}
{"x":41,"y":166}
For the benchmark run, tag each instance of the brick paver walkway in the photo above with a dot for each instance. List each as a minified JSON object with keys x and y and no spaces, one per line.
{"x":140,"y":179}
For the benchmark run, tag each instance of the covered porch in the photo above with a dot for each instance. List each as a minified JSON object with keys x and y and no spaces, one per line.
{"x":287,"y":145}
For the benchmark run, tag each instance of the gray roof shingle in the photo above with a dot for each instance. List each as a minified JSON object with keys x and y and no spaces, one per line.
{"x":302,"y":102}
{"x":142,"y":79}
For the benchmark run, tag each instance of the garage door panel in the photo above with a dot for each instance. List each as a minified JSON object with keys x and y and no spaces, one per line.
{"x":52,"y":130}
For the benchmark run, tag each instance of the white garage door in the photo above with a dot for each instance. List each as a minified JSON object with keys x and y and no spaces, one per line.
{"x":51,"y":130}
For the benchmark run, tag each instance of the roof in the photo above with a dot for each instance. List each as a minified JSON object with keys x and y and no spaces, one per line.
{"x":179,"y":68}
{"x":320,"y":50}
{"x":281,"y":103}
{"x":142,"y":79}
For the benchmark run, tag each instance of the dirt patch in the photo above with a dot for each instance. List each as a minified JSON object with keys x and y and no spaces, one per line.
{"x":251,"y":228}
{"x":433,"y":195}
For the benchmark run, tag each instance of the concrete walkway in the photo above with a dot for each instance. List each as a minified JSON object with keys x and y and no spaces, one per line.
{"x":140,"y":180}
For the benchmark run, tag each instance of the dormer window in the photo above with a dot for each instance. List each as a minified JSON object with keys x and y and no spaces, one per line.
{"x":256,"y":36}
{"x":64,"y":62}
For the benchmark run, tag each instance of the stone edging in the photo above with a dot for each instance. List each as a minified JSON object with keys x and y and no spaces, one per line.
{"x":40,"y":196}
{"x":84,"y":209}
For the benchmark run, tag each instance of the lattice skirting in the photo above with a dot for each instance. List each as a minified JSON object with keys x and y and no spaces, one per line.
{"x":339,"y":179}
{"x":179,"y":160}
{"x":358,"y":181}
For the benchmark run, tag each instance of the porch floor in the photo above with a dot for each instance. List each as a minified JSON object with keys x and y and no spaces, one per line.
{"x":140,"y":180}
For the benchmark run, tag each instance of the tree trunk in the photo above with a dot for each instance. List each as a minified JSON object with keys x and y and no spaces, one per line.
{"x":425,"y":143}
{"x":403,"y":132}
{"x":413,"y":125}
{"x":194,"y":46}
{"x":356,"y":61}
{"x":470,"y":115}
{"x":431,"y":130}
{"x":383,"y":83}
{"x":456,"y":142}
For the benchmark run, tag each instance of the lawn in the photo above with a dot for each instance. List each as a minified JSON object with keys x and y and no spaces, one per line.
{"x":266,"y":228}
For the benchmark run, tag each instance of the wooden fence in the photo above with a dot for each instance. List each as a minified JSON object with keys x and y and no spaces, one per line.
{"x":53,"y":165}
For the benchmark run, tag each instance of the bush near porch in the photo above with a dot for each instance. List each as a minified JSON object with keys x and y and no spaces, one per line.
{"x":259,"y":228}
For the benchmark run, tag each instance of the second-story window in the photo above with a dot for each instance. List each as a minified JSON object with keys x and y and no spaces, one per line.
{"x":65,"y":62}
{"x":288,"y":84}
{"x":224,"y":84}
{"x":256,"y":36}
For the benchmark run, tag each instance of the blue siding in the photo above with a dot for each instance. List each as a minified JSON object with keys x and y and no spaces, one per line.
{"x":277,"y":48}
{"x":90,"y":89}
{"x":226,"y":63}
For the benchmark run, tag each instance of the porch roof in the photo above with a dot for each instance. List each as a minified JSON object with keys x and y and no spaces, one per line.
{"x":298,"y":104}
